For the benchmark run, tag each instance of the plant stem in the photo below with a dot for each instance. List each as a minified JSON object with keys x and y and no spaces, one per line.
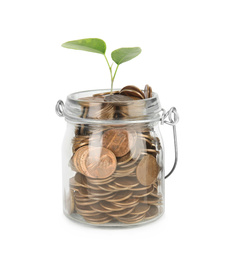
{"x":110,"y":69}
{"x":115,"y":73}
{"x":112,"y":77}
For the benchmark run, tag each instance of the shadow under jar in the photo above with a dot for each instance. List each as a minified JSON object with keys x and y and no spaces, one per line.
{"x":113,"y":166}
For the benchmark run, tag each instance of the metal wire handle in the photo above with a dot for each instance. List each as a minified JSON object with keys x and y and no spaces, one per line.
{"x":59,"y":108}
{"x":173,"y":119}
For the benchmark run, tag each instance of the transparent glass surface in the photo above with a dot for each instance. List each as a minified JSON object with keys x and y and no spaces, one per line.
{"x":113,"y":166}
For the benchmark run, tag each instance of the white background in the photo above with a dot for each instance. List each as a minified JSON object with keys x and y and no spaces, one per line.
{"x":185,"y":60}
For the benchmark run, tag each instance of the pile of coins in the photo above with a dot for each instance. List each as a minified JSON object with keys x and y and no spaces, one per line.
{"x":117,"y":166}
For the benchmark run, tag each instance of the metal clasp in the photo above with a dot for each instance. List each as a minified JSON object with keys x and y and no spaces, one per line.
{"x":173,"y":119}
{"x":59,"y":108}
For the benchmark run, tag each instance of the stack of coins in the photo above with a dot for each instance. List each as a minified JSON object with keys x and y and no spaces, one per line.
{"x":117,"y":170}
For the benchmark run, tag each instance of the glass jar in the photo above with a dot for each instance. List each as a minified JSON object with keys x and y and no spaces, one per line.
{"x":113,"y":159}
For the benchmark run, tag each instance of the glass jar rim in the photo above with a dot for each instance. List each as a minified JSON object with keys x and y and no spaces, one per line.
{"x":73,"y":108}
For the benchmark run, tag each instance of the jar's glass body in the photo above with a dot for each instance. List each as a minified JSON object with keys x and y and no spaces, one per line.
{"x":113,"y":170}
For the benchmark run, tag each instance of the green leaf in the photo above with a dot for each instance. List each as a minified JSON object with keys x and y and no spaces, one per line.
{"x":90,"y":44}
{"x":125,"y":54}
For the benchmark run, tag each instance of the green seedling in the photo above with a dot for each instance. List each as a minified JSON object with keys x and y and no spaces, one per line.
{"x":95,"y":45}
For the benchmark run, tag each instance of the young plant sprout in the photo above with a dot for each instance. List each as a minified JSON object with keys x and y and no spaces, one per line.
{"x":95,"y":45}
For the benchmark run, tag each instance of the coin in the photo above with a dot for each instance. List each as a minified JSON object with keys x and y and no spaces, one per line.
{"x":98,"y":193}
{"x":79,"y":141}
{"x":132,"y":91}
{"x":143,"y":193}
{"x":90,"y":101}
{"x":148,"y":91}
{"x":106,"y":111}
{"x":101,"y":218}
{"x":119,"y":141}
{"x":110,"y":206}
{"x":80,"y":196}
{"x":120,"y":213}
{"x":84,"y":210}
{"x":150,"y":200}
{"x":88,"y":202}
{"x":125,"y":171}
{"x":98,"y":208}
{"x":126,"y":182}
{"x":152,"y":212}
{"x":120,"y":196}
{"x":124,"y":159}
{"x":83,"y":191}
{"x":140,"y":209}
{"x":105,"y":187}
{"x":102,"y":164}
{"x":117,"y":187}
{"x":131,"y":219}
{"x":128,"y":203}
{"x":117,"y":98}
{"x":97,"y":162}
{"x":100,"y":198}
{"x":140,"y":188}
{"x":100,"y":181}
{"x":147,"y":170}
{"x":71,"y":208}
{"x":76,"y":158}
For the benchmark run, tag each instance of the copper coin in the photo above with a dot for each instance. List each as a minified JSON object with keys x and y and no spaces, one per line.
{"x":73,"y":182}
{"x":77,"y":145}
{"x":98,"y":193}
{"x":79,"y":195}
{"x":106,"y":111}
{"x":94,"y":166}
{"x":129,"y":219}
{"x":120,"y":213}
{"x":90,"y":101}
{"x":140,"y":188}
{"x":88,"y":202}
{"x":150,"y":200}
{"x":100,"y":181}
{"x":76,"y":158}
{"x":98,"y":208}
{"x":105,"y":187}
{"x":143,"y":193}
{"x":132,"y":91}
{"x":131,"y":202}
{"x":127,"y":182}
{"x":110,"y":206}
{"x":71,"y":200}
{"x":120,"y":196}
{"x":140,"y":209}
{"x":84,"y":209}
{"x":89,"y":186}
{"x":83,"y":191}
{"x":98,"y":219}
{"x":98,"y":162}
{"x":126,"y":168}
{"x":117,"y":187}
{"x":148,"y":91}
{"x":124,"y":159}
{"x":79,"y":179}
{"x":119,"y":141}
{"x":152,"y":212}
{"x":117,"y":98}
{"x":147,"y":170}
{"x":100,"y":198}
{"x":98,"y":222}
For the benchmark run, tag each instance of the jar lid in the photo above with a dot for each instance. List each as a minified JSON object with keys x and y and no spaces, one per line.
{"x":83,"y":107}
